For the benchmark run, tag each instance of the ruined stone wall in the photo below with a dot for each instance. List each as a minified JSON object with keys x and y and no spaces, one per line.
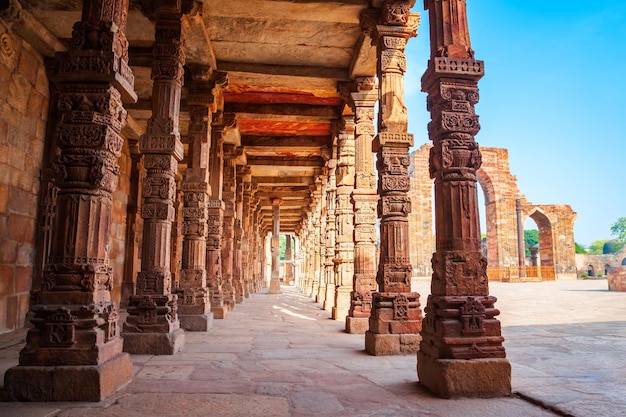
{"x":23,"y":112}
{"x":600,"y":263}
{"x":501,"y":191}
{"x":556,"y":236}
{"x":555,"y":222}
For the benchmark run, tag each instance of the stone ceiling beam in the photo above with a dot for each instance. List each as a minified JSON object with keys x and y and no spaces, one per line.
{"x":310,"y":112}
{"x":286,"y":161}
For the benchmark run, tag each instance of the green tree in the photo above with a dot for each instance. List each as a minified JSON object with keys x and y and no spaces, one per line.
{"x":283,"y":246}
{"x":579,"y":248}
{"x":596,"y":247}
{"x":531,"y":238}
{"x":618,"y":229}
{"x":612,"y":246}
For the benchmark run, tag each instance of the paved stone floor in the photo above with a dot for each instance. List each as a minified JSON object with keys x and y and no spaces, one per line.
{"x":281,"y":355}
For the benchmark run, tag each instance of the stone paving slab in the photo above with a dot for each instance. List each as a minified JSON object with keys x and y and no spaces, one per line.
{"x":281,"y":355}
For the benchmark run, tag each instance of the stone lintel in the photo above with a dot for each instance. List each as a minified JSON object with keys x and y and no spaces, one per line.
{"x":450,"y":378}
{"x":68,"y":383}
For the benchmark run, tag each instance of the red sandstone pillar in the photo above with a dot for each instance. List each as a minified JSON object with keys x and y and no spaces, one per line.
{"x":228,"y":231}
{"x":74,"y":351}
{"x":243,"y":174}
{"x":396,"y":317}
{"x":364,"y":198}
{"x":344,"y":219}
{"x":215,"y":219}
{"x":275,"y":280}
{"x":329,"y":241}
{"x":193,"y":294}
{"x":153,"y":326}
{"x":461,"y":353}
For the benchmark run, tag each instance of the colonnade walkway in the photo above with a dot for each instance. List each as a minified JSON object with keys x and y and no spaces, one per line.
{"x":281,"y":355}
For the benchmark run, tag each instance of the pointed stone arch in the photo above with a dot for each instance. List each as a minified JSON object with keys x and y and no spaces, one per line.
{"x":501,"y":192}
{"x":546,"y":240}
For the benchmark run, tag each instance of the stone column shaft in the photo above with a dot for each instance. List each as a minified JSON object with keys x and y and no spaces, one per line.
{"x":275,"y":279}
{"x":364,"y":198}
{"x":396,"y":318}
{"x":344,"y":219}
{"x":75,"y":334}
{"x":461,"y":353}
{"x":194,"y":305}
{"x":228,"y":232}
{"x":289,"y":260}
{"x":323,"y":225}
{"x":238,"y":276}
{"x":152,"y":326}
{"x":331,"y":204}
{"x":215,"y":220}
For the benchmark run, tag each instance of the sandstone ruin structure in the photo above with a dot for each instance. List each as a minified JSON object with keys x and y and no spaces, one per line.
{"x":555,"y":223}
{"x":153,"y":152}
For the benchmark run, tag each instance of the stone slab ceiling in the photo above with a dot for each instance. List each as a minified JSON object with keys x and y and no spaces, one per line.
{"x":284,"y":61}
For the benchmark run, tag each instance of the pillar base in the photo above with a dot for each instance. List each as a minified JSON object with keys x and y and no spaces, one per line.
{"x":357,"y":325}
{"x":274,"y":287}
{"x":329,"y":301}
{"x":68,"y":383}
{"x":378,"y":344}
{"x":196,"y":322}
{"x":149,"y":343}
{"x":450,"y":378}
{"x":219,"y":312}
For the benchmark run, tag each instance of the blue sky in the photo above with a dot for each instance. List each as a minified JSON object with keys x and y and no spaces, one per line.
{"x":554,"y":95}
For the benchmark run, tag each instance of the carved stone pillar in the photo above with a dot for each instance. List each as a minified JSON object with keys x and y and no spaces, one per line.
{"x":153,"y":326}
{"x":228,"y":232}
{"x":194,"y":308}
{"x":243,"y":173}
{"x":289,"y":267}
{"x":134,"y":227}
{"x":275,"y":280}
{"x":461,"y":353}
{"x":364,"y":198}
{"x":310,"y":254}
{"x":331,"y":203}
{"x":75,"y":335}
{"x":215,"y":219}
{"x":321,"y":236}
{"x":316,"y":227}
{"x":251,"y":237}
{"x":344,"y":212}
{"x":396,"y":319}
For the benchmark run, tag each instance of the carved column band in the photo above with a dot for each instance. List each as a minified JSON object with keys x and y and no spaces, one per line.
{"x":75,"y":335}
{"x":153,"y":326}
{"x":461,"y":353}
